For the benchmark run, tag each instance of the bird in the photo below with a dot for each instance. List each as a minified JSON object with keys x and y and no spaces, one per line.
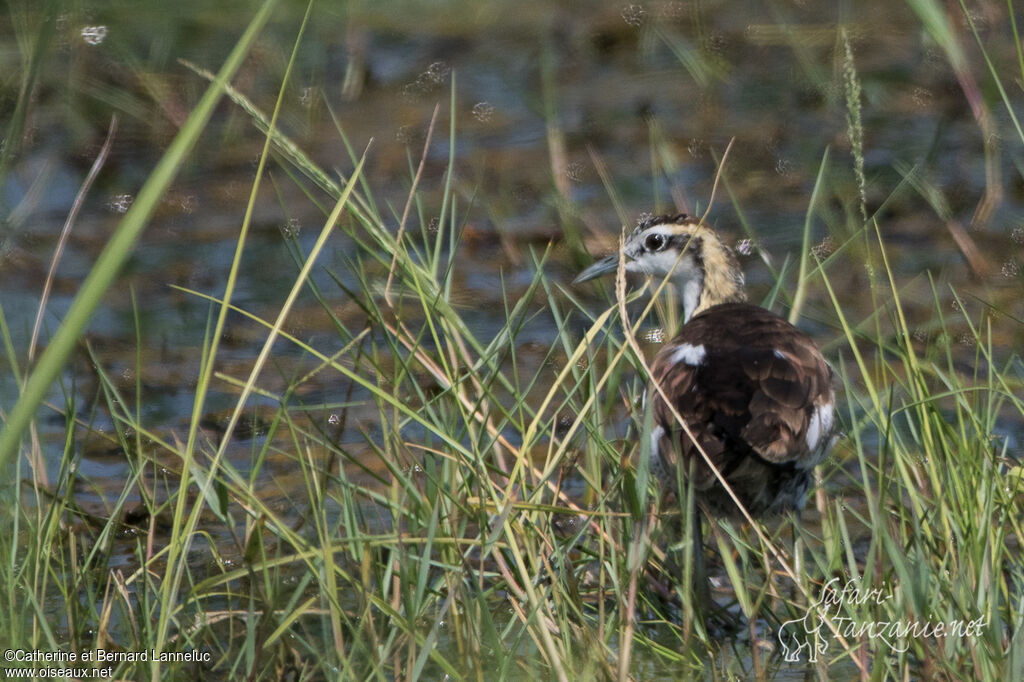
{"x":755,"y":392}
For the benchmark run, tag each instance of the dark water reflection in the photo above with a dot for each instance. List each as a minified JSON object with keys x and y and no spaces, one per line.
{"x":673,"y":80}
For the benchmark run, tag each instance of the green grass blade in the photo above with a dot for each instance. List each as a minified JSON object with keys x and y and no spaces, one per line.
{"x":121,"y":244}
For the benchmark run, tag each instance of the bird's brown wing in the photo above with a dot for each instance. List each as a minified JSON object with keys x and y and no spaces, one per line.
{"x":747,"y":383}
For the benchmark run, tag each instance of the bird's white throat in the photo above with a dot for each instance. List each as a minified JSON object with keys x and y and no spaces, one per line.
{"x":690,"y":293}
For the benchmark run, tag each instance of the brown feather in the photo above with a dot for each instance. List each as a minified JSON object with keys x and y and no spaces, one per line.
{"x":749,"y":403}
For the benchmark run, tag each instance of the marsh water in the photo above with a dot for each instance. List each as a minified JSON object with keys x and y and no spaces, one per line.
{"x":547,"y":99}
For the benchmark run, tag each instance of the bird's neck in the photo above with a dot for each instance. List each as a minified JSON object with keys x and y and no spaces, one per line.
{"x":717,"y":279}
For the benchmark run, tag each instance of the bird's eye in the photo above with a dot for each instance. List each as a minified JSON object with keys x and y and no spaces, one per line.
{"x":654,"y":242}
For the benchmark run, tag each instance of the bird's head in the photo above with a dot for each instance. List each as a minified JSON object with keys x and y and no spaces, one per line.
{"x":701,"y":268}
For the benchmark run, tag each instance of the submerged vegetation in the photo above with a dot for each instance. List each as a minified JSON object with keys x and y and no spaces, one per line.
{"x":422,"y":487}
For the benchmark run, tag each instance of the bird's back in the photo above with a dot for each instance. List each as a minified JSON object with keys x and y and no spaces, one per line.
{"x":757,"y":396}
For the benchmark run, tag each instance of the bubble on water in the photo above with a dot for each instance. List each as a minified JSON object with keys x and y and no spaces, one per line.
{"x":671,"y":11}
{"x":291,"y":229}
{"x":824,"y":249}
{"x":717,"y":42}
{"x":306,"y":96}
{"x":412,"y":91}
{"x":574,"y":171}
{"x":1010,"y":268}
{"x":483,"y":111}
{"x":965,"y":339}
{"x":94,"y":35}
{"x":120,"y":203}
{"x":433,"y":225}
{"x":634,"y":15}
{"x":1017,"y":235}
{"x":695,"y":147}
{"x":438,"y":72}
{"x":188,"y":203}
{"x":655,"y":336}
{"x":407,"y":134}
{"x":427,"y":81}
{"x":922,"y":97}
{"x":979,"y":20}
{"x":783,"y":167}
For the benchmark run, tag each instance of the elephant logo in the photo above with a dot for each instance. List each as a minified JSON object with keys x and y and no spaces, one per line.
{"x":804,"y":634}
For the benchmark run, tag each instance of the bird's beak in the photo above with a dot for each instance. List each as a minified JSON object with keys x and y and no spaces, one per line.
{"x":601,"y":267}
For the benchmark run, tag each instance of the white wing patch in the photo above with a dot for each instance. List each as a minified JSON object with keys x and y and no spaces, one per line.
{"x":820,"y":425}
{"x":687,"y":354}
{"x":656,"y":433}
{"x":654,"y":458}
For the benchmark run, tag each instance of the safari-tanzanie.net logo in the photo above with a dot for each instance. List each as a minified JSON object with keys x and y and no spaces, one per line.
{"x":808,"y":637}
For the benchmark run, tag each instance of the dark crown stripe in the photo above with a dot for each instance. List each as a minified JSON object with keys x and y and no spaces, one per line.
{"x":667,"y":219}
